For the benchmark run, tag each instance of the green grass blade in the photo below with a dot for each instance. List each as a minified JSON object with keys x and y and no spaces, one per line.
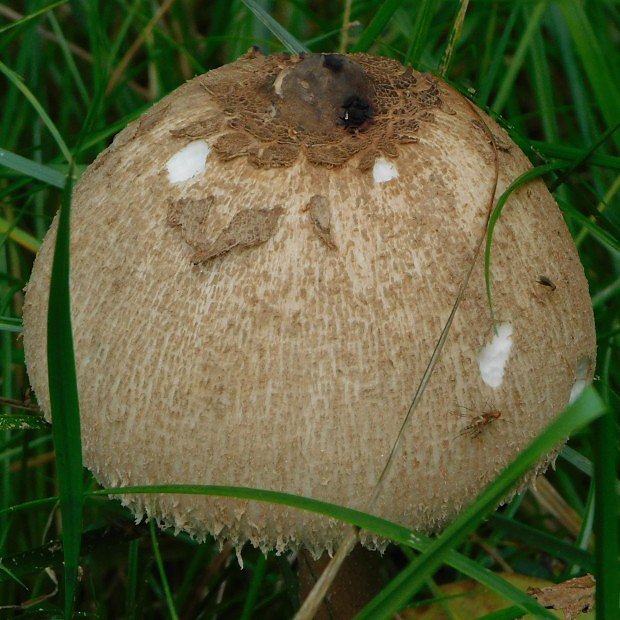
{"x":131,"y":11}
{"x":606,"y":516}
{"x":20,"y":421}
{"x":7,"y":353}
{"x":455,"y":35}
{"x":603,"y":79}
{"x":574,"y":79}
{"x":387,"y":529}
{"x":7,"y":454}
{"x":583,"y":464}
{"x":586,"y":529}
{"x":376,"y":25}
{"x":10,"y":324}
{"x":72,"y":67}
{"x":586,"y":409}
{"x":32,"y":169}
{"x":510,"y":613}
{"x":64,"y":401}
{"x":255,"y":584}
{"x":390,"y":530}
{"x":567,"y":152}
{"x":543,"y":87}
{"x":31,"y":16}
{"x":20,"y":236}
{"x":162,"y":572}
{"x":43,"y":502}
{"x":526,"y":177}
{"x":12,"y":576}
{"x":19,"y":84}
{"x":531,"y":27}
{"x":598,"y":233}
{"x":542,"y":540}
{"x":284,"y":36}
{"x":610,"y":131}
{"x":382,"y":527}
{"x":498,"y":54}
{"x":421,"y":28}
{"x":34,"y":560}
{"x":484,"y":576}
{"x":132,"y":580}
{"x":578,"y":461}
{"x":190,"y":575}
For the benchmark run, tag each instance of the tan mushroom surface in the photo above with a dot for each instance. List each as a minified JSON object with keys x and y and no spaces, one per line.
{"x":261,"y":268}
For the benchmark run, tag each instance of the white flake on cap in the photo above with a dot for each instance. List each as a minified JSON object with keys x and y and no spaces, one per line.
{"x":384,"y":171}
{"x":493,"y":357}
{"x":190,"y":161}
{"x":575,"y":392}
{"x":581,"y":379}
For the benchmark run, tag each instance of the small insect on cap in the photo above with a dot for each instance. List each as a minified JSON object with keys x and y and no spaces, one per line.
{"x":261,"y":269}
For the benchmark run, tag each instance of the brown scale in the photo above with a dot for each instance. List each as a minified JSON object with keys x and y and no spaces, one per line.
{"x":329,"y":107}
{"x":320,"y":216}
{"x":248,"y":228}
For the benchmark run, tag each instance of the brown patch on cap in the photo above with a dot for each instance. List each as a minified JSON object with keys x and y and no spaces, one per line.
{"x":320,"y":216}
{"x":191,"y":217}
{"x":329,"y":107}
{"x":151,"y":118}
{"x":203,"y":127}
{"x":319,"y":91}
{"x":247,"y":228}
{"x":233,"y":144}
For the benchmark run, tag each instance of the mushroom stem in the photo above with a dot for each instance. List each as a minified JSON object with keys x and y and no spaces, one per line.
{"x":357,"y":582}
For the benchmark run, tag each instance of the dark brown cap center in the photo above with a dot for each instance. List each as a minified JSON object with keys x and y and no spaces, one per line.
{"x":323,"y":93}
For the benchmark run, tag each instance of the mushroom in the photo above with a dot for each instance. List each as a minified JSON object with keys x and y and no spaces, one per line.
{"x":261,"y":268}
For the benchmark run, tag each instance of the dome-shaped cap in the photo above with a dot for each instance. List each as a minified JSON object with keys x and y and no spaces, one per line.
{"x":261,"y":268}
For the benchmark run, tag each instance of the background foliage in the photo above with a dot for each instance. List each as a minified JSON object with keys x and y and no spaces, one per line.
{"x":74,"y":72}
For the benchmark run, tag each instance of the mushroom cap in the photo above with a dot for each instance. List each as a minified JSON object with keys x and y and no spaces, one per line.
{"x":261,"y":268}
